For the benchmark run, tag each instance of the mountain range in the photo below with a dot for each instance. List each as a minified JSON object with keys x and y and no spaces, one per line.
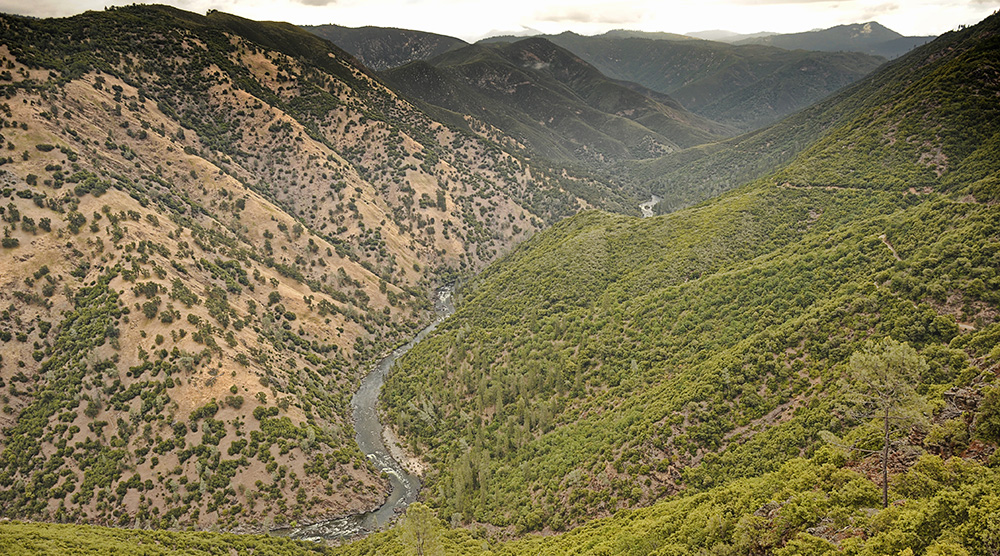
{"x":870,"y":38}
{"x":213,"y":226}
{"x":553,"y":102}
{"x":745,"y":86}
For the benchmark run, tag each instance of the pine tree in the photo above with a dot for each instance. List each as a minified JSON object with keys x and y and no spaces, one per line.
{"x":419,"y":531}
{"x":881,"y":381}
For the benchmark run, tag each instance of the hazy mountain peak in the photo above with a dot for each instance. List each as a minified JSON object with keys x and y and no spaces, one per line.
{"x":869,"y":37}
{"x":502,"y":35}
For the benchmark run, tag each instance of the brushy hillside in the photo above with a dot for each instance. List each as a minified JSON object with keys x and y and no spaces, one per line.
{"x":211,"y":226}
{"x":381,"y":48}
{"x":919,"y":119}
{"x":806,"y":508}
{"x":743,"y":86}
{"x":555,"y":103}
{"x":611,"y":361}
{"x":38,"y":539}
{"x":811,"y":507}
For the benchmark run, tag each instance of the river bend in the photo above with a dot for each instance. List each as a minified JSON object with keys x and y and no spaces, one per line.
{"x":404,"y":487}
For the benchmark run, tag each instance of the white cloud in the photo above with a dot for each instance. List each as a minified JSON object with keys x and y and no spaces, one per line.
{"x":770,"y":2}
{"x":617,"y":13}
{"x":317,"y":2}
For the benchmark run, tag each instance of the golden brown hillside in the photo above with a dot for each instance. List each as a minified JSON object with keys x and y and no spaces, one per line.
{"x":211,"y":227}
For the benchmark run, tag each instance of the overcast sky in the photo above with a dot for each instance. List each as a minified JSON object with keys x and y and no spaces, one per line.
{"x":471,"y":20}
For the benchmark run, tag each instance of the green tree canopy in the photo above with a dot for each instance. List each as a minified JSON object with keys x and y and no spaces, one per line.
{"x":881,"y":384}
{"x":419,"y":531}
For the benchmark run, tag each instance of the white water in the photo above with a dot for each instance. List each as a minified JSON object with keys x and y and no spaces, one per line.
{"x":404,"y":486}
{"x":647,"y":207}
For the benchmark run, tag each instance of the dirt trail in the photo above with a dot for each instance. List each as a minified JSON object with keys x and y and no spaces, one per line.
{"x":889,"y":245}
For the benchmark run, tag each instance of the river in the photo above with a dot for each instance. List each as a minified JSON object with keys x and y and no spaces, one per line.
{"x":647,"y":207}
{"x":404,"y":487}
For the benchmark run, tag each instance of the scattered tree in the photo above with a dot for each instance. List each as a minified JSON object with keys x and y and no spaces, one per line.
{"x":419,"y":531}
{"x":881,"y":383}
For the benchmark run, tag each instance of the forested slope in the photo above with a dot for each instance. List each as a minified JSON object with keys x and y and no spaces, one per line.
{"x":610,"y":361}
{"x":810,"y":507}
{"x":931,"y":79}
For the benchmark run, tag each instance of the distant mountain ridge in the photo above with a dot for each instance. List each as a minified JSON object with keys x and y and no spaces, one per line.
{"x":870,"y":38}
{"x":655,"y":35}
{"x":745,"y":86}
{"x":385,"y":47}
{"x":741,"y":87}
{"x":722,"y":35}
{"x":551,"y":100}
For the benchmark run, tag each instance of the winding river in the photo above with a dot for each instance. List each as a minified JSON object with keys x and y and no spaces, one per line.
{"x":404,"y":486}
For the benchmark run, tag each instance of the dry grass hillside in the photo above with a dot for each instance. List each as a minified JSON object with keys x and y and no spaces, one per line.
{"x":210,"y":228}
